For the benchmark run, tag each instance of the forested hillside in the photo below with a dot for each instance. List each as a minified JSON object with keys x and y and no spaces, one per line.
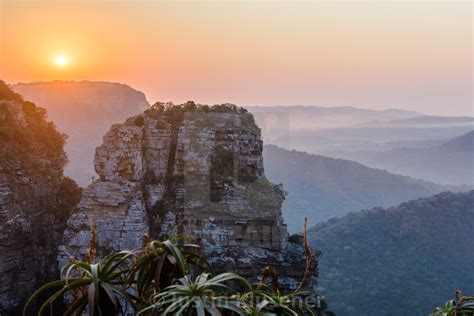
{"x":402,"y":261}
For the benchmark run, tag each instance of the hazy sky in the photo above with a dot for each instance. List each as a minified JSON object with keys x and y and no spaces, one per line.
{"x":410,"y":55}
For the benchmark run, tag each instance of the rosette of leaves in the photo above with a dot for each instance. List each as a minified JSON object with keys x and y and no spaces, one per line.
{"x":98,"y":287}
{"x":161,"y":263}
{"x":199,"y":297}
{"x":460,"y":306}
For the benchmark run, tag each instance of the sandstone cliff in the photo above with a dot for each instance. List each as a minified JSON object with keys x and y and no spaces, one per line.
{"x":190,"y":170}
{"x":34,"y":198}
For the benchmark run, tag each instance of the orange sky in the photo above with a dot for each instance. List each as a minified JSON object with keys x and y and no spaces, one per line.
{"x":411,"y":55}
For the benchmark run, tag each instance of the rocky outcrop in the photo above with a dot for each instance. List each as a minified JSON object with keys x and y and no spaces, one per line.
{"x":189,"y":170}
{"x":84,"y":110}
{"x":33,"y":205}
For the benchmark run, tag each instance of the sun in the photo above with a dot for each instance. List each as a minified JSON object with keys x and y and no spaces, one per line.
{"x":61,"y":60}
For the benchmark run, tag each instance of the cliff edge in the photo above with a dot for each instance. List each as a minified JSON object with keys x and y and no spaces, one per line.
{"x":35,"y":198}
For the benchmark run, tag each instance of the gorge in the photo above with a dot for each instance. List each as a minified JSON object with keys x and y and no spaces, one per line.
{"x":190,"y":170}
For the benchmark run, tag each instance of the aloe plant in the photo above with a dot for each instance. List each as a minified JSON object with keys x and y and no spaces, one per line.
{"x":160,"y":263}
{"x":270,"y":302}
{"x":159,"y":274}
{"x":460,"y":306}
{"x":99,"y":287}
{"x":197,"y":297}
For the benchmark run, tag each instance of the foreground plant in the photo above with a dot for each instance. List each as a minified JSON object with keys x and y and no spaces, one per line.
{"x":270,"y":303}
{"x":197,"y":297}
{"x":157,"y":279}
{"x":97,"y":286}
{"x":460,"y":306}
{"x":160,"y":263}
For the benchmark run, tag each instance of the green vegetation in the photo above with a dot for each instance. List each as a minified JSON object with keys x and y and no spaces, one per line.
{"x":221,"y":171}
{"x":35,"y":147}
{"x":195,"y":297}
{"x":8,"y":94}
{"x":160,"y":125}
{"x":403,"y":260}
{"x":162,"y":278}
{"x":69,"y":194}
{"x":171,"y":109}
{"x":247,"y":174}
{"x":460,"y":306}
{"x":35,"y":138}
{"x":222,"y":163}
{"x":139,"y":121}
{"x":296,"y":239}
{"x":261,"y":303}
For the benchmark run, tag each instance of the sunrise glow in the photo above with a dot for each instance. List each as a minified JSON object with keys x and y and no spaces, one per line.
{"x":383,"y":55}
{"x":61,"y":60}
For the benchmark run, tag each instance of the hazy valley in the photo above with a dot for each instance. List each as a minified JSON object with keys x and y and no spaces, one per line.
{"x":147,"y":173}
{"x":451,"y":162}
{"x":320,"y":187}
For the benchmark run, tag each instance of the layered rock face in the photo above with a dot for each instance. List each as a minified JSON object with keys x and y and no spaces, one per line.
{"x":189,"y":170}
{"x":33,"y":213}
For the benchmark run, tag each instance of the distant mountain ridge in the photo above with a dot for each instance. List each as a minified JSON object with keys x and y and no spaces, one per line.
{"x":451,"y":162}
{"x":322,"y":187}
{"x":324,"y":129}
{"x":462,"y":143}
{"x":426,"y":120}
{"x":70,"y":101}
{"x":332,"y":110}
{"x":417,"y":253}
{"x":310,"y":117}
{"x":84,"y":110}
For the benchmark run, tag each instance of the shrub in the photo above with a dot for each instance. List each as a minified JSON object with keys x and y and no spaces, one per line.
{"x":160,"y":125}
{"x":460,"y":306}
{"x":296,"y":239}
{"x":29,"y":108}
{"x":248,"y":173}
{"x":190,"y":106}
{"x":193,"y":297}
{"x":68,"y":196}
{"x":226,"y":107}
{"x":174,"y":114}
{"x":222,"y":163}
{"x":139,"y":121}
{"x":7,"y":94}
